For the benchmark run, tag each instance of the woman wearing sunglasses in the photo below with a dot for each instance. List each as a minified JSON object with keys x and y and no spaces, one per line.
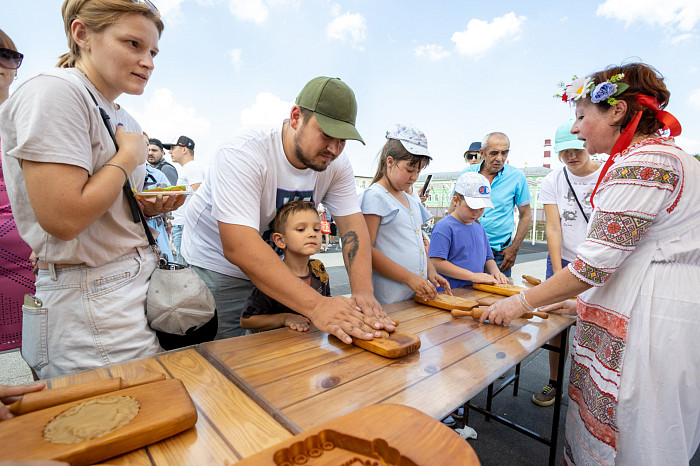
{"x":10,"y":61}
{"x":16,"y":278}
{"x":65,"y":180}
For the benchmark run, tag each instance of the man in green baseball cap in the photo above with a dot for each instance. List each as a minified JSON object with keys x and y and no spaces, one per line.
{"x":334,"y":106}
{"x":227,"y":239}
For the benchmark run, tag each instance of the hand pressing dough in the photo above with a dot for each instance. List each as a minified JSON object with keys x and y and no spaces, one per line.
{"x":91,"y":419}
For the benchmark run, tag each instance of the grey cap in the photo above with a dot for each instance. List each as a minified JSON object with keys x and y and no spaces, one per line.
{"x":172,"y":307}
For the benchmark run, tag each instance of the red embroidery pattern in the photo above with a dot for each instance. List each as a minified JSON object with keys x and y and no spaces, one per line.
{"x":618,"y":229}
{"x":607,"y":347}
{"x":651,"y":176}
{"x":598,"y":410}
{"x":600,"y":404}
{"x":590,"y":274}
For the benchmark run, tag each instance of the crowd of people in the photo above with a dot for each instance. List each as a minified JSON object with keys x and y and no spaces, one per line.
{"x":623,"y":236}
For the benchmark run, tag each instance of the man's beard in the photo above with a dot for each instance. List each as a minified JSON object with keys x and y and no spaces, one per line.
{"x":155,"y":161}
{"x":308,"y":163}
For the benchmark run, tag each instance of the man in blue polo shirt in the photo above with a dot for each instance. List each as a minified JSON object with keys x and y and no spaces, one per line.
{"x":508,"y":189}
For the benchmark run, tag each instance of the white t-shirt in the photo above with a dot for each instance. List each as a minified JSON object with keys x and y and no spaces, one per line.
{"x":52,"y":118}
{"x":249,"y":179}
{"x":191,"y":173}
{"x":555,"y":190}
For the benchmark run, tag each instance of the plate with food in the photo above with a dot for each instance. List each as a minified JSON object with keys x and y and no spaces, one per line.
{"x":170,"y":191}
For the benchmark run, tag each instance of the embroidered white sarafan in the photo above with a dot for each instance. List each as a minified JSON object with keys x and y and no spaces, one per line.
{"x":635,"y":372}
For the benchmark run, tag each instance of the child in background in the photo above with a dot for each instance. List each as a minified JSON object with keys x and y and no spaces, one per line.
{"x":297,"y":231}
{"x":400,"y":264}
{"x":459,"y":247}
{"x":566,"y":197}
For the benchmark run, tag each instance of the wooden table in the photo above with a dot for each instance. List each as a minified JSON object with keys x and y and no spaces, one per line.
{"x":230,"y":425}
{"x":305,"y":379}
{"x":255,"y":391}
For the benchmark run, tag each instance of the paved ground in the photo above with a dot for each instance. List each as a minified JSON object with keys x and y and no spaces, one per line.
{"x":496,"y":444}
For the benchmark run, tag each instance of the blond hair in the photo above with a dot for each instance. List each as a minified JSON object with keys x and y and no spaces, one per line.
{"x":6,"y":42}
{"x":98,"y":15}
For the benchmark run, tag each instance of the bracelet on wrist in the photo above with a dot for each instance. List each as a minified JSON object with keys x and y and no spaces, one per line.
{"x":119,"y":167}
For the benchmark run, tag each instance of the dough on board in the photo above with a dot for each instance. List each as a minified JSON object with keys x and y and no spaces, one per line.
{"x":91,"y":419}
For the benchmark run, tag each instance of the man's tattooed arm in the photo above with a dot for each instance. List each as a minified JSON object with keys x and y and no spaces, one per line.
{"x":351,"y":244}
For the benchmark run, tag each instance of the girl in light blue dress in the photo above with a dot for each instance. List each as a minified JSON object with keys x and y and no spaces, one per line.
{"x":400,"y":265}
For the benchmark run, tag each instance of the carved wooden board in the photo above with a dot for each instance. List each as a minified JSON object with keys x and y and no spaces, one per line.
{"x":503,"y":290}
{"x":165,"y":409}
{"x":447,"y":302}
{"x":404,"y":436}
{"x":392,"y":345}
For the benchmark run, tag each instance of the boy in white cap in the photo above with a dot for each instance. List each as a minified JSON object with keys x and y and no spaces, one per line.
{"x":459,"y":247}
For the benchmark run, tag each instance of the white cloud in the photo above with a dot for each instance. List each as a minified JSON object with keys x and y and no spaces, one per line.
{"x":267,"y":110}
{"x":482,"y":35}
{"x":255,"y":11}
{"x":675,"y":40}
{"x":165,"y":119}
{"x":432,"y":52}
{"x":234,"y":56}
{"x":335,"y":9}
{"x":169,"y":7}
{"x":694,"y":98}
{"x":679,"y":14}
{"x":348,"y":27}
{"x":170,"y":10}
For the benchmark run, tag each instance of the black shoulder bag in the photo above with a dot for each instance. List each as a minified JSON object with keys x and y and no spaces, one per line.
{"x":179,"y":305}
{"x":566,"y":175}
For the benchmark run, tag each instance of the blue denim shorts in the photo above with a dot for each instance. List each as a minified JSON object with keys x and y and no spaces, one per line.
{"x":550,"y":270}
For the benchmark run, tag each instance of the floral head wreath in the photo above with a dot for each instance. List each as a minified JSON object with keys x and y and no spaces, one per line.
{"x":582,"y":87}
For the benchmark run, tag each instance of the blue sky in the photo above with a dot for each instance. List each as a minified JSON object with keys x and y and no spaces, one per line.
{"x":456,"y":69}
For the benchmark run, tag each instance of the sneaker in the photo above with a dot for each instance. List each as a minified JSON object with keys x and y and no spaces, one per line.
{"x":449,"y":421}
{"x":545,"y":397}
{"x":459,"y":414}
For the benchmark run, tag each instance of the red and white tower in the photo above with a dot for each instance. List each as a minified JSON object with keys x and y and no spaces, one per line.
{"x":547,"y":153}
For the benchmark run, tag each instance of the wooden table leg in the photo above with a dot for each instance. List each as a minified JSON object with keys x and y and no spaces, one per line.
{"x":558,"y":395}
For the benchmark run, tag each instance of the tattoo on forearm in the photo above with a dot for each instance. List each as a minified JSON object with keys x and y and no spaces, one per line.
{"x":351,"y":244}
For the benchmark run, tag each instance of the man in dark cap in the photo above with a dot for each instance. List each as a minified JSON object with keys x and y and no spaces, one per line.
{"x":156,"y":159}
{"x":255,"y":174}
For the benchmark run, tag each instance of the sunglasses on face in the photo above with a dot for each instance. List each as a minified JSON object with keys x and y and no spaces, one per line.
{"x":471,"y":156}
{"x":10,"y":59}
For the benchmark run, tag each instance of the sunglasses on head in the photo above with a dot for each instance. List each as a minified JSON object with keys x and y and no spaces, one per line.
{"x":149,"y":4}
{"x":10,"y":59}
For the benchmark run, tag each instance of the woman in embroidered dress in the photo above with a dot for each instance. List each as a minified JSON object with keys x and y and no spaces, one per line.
{"x":65,"y":177}
{"x":635,"y":372}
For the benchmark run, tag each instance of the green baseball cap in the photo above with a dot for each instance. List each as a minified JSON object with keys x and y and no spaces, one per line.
{"x":334,"y":105}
